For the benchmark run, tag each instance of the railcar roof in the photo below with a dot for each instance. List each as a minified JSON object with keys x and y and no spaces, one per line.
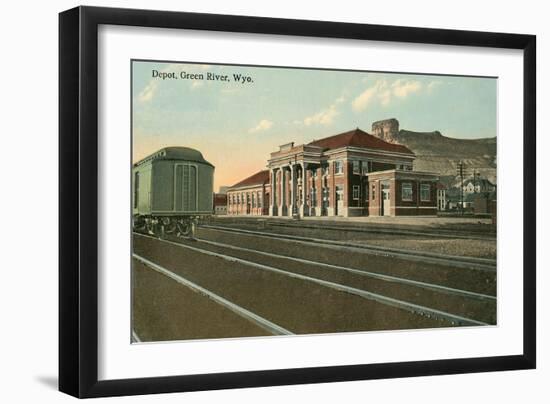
{"x":175,"y":153}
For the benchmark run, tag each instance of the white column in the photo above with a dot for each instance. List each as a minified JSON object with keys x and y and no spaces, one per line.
{"x":318,"y":186}
{"x":292,"y":188}
{"x":304,"y":211}
{"x":272,"y":206}
{"x":282,"y":208}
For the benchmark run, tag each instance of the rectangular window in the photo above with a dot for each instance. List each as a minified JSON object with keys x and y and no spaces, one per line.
{"x":425,"y":192}
{"x":338,"y":167}
{"x":365,"y":167}
{"x":356,"y":192}
{"x":356,"y":167}
{"x":406,"y":191}
{"x":185,"y":187}
{"x":373,"y":192}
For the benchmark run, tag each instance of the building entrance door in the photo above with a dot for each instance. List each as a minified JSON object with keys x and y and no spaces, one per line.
{"x":385,"y":200}
{"x":339,"y":201}
{"x":324,"y":202}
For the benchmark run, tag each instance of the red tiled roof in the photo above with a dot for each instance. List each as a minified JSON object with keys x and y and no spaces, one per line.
{"x":359,"y":138}
{"x":259,"y":178}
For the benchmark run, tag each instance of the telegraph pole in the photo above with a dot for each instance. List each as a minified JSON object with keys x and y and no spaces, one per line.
{"x":460,"y":173}
{"x":476,"y":180}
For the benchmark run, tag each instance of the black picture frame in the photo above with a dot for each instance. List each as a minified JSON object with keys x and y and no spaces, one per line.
{"x":78,"y":200}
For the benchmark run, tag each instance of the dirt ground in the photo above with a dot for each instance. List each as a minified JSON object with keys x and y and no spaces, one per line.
{"x":164,"y":313}
{"x":480,"y":244}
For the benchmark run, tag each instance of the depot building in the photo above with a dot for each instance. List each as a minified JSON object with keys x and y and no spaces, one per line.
{"x":348,"y":174}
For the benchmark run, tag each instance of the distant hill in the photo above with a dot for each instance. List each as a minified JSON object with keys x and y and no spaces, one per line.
{"x":440,"y":154}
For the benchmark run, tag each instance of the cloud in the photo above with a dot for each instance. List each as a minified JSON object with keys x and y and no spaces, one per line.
{"x":262,"y":126}
{"x":362,"y":101}
{"x":148,"y":92}
{"x":151,"y":88}
{"x":325,"y":116}
{"x":384,"y":93}
{"x":432,"y":85}
{"x":402,"y":88}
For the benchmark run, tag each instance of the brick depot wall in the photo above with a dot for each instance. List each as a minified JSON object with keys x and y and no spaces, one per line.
{"x":355,"y":207}
{"x":346,"y":185}
{"x":416,"y":207}
{"x":376,"y":166}
{"x":339,"y":181}
{"x":332,"y":189}
{"x":374,"y":203}
{"x":308,"y":183}
{"x":261,"y":207}
{"x":319,"y":190}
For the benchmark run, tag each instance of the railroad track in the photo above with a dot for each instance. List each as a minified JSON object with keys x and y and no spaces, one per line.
{"x":135,"y":338}
{"x":418,"y":309}
{"x":241,"y":311}
{"x":380,"y":230}
{"x":482,"y":264}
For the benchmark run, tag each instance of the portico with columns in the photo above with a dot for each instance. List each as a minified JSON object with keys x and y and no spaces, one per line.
{"x":333,"y":176}
{"x":294,"y":170}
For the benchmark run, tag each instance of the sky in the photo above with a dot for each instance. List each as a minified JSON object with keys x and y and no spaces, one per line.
{"x":237,"y":115}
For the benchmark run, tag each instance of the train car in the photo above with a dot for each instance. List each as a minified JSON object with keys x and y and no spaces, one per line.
{"x":172,"y":189}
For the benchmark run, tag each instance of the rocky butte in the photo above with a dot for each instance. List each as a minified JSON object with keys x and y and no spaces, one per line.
{"x":438,"y":153}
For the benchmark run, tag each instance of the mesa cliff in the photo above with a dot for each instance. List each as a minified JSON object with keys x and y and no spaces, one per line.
{"x":438,"y":153}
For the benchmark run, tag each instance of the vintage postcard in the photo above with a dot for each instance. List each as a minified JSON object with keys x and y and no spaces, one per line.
{"x":274,"y":200}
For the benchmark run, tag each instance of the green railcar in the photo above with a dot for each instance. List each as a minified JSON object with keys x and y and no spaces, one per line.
{"x":172,"y":189}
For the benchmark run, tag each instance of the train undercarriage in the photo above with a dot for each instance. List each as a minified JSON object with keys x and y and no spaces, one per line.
{"x":161,"y":226}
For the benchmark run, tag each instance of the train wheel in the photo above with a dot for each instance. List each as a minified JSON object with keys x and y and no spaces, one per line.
{"x":171,"y":227}
{"x":183,"y":228}
{"x":192,"y":229}
{"x":150,"y":227}
{"x":139,"y":224}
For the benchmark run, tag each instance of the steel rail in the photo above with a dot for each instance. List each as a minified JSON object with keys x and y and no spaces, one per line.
{"x":135,"y":337}
{"x":389,"y":301}
{"x":377,"y":230}
{"x":375,"y":275}
{"x":242,"y":312}
{"x":482,"y":264}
